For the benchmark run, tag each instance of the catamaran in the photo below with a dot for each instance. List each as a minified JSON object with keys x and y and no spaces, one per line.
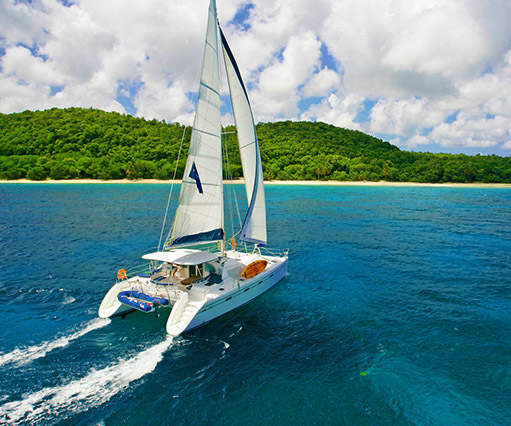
{"x":199,"y":273}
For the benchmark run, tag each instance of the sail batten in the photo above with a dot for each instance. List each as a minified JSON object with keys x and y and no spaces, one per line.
{"x":210,"y":88}
{"x":248,"y":144}
{"x":205,"y":132}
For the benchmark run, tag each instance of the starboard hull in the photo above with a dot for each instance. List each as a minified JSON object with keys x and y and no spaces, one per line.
{"x":240,"y":297}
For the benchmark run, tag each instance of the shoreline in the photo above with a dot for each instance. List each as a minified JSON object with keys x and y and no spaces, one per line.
{"x":273,"y":182}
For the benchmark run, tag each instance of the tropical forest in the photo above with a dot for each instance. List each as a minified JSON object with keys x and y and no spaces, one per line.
{"x":78,"y":143}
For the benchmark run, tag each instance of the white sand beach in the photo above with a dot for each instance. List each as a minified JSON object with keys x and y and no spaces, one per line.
{"x":273,"y":182}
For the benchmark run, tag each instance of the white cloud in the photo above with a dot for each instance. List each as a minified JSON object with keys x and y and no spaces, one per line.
{"x":414,"y":141}
{"x":338,"y":109}
{"x":421,"y":61}
{"x":21,"y":64}
{"x":21,"y":23}
{"x":272,"y":23}
{"x":322,"y":83}
{"x":482,"y":107}
{"x":404,"y":116}
{"x":158,"y":101}
{"x":441,"y":38}
{"x":469,"y":131}
{"x":279,"y":82}
{"x":300,"y":57}
{"x":20,"y":97}
{"x":388,"y":48}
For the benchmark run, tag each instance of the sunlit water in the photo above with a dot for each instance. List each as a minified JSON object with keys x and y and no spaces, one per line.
{"x":397,"y":311}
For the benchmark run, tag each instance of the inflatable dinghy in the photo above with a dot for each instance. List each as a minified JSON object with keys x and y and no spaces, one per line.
{"x":141,"y":301}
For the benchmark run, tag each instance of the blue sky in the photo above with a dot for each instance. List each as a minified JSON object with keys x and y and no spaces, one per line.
{"x":426,"y":76}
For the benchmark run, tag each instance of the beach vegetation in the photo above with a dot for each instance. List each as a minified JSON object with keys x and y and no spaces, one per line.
{"x":79,"y":143}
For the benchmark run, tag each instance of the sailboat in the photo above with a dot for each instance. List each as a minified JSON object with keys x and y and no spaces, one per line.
{"x":199,"y":274}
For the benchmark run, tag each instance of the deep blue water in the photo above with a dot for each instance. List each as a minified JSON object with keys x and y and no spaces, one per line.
{"x":397,"y":311}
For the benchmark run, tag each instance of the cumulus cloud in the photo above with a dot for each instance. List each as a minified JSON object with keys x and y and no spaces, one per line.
{"x":321,"y":83}
{"x":403,"y":116}
{"x":278,"y":83}
{"x":443,"y":38}
{"x":156,"y":100}
{"x":339,"y":109}
{"x":418,"y":73}
{"x":18,"y":61}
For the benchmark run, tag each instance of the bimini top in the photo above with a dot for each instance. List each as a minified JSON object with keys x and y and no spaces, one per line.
{"x":182,"y":256}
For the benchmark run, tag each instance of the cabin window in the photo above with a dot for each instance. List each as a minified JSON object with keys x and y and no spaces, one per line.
{"x":195,"y":270}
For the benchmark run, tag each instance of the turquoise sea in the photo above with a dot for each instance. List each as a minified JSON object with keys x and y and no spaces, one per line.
{"x":397,"y":311}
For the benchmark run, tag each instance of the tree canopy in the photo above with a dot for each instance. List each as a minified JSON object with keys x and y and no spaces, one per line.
{"x":77,"y":143}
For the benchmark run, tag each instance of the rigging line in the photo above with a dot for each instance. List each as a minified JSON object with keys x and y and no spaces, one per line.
{"x":228,"y":177}
{"x":233,"y":193}
{"x":171,"y":188}
{"x":223,"y":141}
{"x":225,"y":149}
{"x":237,"y":209}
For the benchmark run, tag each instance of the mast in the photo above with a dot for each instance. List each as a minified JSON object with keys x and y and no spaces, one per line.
{"x":199,"y":216}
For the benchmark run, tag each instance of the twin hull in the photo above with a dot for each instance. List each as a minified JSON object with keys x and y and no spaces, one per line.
{"x":233,"y":298}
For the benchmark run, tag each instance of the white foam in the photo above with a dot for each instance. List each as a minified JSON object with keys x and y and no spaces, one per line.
{"x":226,"y":346}
{"x":68,"y":300}
{"x":24,"y":355}
{"x":237,"y":331}
{"x":90,"y":391}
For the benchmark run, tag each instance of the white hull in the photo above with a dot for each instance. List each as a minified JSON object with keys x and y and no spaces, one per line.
{"x":199,"y":304}
{"x":238,"y":297}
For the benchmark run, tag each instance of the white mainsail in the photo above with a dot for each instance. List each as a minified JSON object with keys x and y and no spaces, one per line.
{"x":199,"y":216}
{"x":254,"y":226}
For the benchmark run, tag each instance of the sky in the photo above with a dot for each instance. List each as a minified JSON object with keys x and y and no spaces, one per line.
{"x":425,"y":75}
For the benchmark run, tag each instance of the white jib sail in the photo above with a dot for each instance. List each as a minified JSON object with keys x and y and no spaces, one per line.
{"x":199,"y":216}
{"x":254,"y":226}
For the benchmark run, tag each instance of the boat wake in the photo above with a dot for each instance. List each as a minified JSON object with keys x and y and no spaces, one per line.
{"x":82,"y":394}
{"x":24,"y":355}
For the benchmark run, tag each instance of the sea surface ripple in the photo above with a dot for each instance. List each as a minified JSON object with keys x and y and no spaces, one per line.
{"x":396,"y":311}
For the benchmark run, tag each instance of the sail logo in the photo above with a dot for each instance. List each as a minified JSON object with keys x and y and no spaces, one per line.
{"x":194,"y":174}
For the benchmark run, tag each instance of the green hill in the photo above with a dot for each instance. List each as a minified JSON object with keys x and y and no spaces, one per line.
{"x":86,"y":143}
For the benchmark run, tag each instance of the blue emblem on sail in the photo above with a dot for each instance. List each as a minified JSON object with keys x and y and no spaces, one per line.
{"x":195,"y":176}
